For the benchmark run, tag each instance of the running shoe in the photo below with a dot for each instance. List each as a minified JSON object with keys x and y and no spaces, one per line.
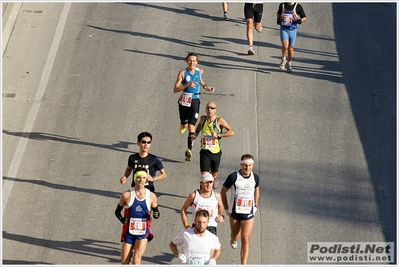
{"x":251,"y":51}
{"x":182,"y":129}
{"x":233,"y":243}
{"x":288,"y":66}
{"x":260,"y":30}
{"x":225,"y":17}
{"x":215,"y":184}
{"x":188,"y":155}
{"x":282,"y":64}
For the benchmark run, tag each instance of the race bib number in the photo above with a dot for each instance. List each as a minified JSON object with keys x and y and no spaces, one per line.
{"x":287,"y":20}
{"x":244,"y":204}
{"x":137,"y":226}
{"x":210,"y":210}
{"x":197,"y":260}
{"x":185,"y":99}
{"x":208,"y":142}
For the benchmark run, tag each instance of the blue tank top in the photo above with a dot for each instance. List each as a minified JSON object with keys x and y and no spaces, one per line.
{"x":139,"y":214}
{"x":188,"y":77}
{"x":289,"y":18}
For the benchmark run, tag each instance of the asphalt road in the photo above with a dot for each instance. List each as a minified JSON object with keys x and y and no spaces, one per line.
{"x":81,"y":80}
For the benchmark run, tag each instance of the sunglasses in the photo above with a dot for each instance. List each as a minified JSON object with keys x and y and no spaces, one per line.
{"x":145,"y":142}
{"x":209,"y":107}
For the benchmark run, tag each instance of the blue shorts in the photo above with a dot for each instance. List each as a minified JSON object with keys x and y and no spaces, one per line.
{"x":130,"y":239}
{"x":289,"y":35}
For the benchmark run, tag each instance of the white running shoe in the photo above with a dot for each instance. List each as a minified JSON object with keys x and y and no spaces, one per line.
{"x":215,"y":184}
{"x":233,"y":243}
{"x":282,"y":64}
{"x":288,"y":67}
{"x":225,"y":17}
{"x":251,"y":51}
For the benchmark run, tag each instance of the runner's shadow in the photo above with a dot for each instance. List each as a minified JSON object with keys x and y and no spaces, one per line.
{"x":182,"y":11}
{"x":105,"y":193}
{"x":165,"y":258}
{"x":86,"y":247}
{"x":40,"y":136}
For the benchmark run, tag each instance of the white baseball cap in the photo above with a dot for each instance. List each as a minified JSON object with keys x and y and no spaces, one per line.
{"x":206,"y":177}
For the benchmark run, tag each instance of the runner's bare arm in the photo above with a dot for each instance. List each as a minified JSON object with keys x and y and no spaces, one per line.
{"x":178,"y":84}
{"x":183,"y":213}
{"x":224,"y":125}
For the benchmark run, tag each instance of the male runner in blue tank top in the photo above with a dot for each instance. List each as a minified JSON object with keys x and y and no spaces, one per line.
{"x":138,"y":202}
{"x":188,"y":83}
{"x":289,"y":15}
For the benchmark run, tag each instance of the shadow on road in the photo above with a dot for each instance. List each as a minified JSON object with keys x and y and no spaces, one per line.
{"x":121,"y":146}
{"x":370,"y":81}
{"x":86,"y":247}
{"x":97,"y":192}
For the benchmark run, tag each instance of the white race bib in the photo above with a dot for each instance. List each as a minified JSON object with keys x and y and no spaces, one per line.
{"x":185,"y":99}
{"x":137,"y":226}
{"x":198,"y":260}
{"x":209,"y":209}
{"x":244,"y":204}
{"x":208,"y":142}
{"x":287,"y":20}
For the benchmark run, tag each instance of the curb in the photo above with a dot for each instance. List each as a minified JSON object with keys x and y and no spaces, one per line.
{"x":10,"y":14}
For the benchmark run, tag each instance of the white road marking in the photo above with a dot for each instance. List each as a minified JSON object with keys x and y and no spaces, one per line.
{"x":23,"y":141}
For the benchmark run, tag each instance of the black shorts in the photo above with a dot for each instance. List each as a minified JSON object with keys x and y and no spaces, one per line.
{"x":209,"y":161}
{"x":241,"y":217}
{"x":189,"y":114}
{"x":253,"y":11}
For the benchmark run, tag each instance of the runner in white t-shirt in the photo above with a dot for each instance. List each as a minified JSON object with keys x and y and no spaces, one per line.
{"x":198,"y":245}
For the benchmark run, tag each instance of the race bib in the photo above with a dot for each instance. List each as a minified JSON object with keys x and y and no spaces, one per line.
{"x":244,"y":204}
{"x":208,"y":142}
{"x":137,"y":226}
{"x":197,"y":260}
{"x":210,"y":210}
{"x":287,"y":20}
{"x":185,"y":99}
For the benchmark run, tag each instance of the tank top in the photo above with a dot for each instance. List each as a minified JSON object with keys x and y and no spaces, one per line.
{"x":289,"y":18}
{"x":242,"y":197}
{"x":139,"y":214}
{"x":190,"y":93}
{"x":206,"y":203}
{"x":208,"y":142}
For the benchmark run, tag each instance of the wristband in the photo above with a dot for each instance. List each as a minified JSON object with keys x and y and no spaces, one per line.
{"x":155,"y":212}
{"x":204,"y":86}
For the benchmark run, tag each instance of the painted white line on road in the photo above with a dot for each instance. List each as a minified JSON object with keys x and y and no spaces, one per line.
{"x":23,"y":141}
